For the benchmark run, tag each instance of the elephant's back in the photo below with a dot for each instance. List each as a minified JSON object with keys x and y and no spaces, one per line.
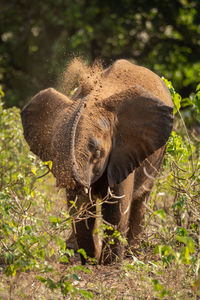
{"x":123,"y":74}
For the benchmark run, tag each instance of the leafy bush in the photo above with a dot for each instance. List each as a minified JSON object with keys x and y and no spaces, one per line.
{"x":22,"y":244}
{"x":29,"y":230}
{"x":174,"y":209}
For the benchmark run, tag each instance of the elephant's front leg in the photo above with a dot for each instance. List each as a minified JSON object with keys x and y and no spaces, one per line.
{"x":83,"y":222}
{"x":83,"y":231}
{"x":116,"y":213}
{"x":87,"y":231}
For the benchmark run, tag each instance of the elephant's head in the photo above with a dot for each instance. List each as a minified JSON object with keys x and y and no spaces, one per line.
{"x":110,"y":132}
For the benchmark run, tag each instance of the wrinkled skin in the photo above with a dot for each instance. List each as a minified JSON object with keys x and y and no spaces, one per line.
{"x":111,"y":134}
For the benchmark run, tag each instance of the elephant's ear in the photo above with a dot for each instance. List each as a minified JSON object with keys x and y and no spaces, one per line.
{"x":143,"y":125}
{"x":38,"y":118}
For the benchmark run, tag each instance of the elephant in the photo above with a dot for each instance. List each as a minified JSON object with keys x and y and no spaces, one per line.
{"x":110,"y":138}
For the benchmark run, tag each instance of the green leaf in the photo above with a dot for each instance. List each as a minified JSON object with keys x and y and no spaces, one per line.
{"x":51,"y":284}
{"x":180,"y":203}
{"x":82,"y":251}
{"x":161,"y":213}
{"x":1,"y":93}
{"x":51,"y":252}
{"x":188,"y":241}
{"x":41,"y":279}
{"x":86,"y":294}
{"x":48,"y":163}
{"x":55,"y":220}
{"x":177,"y":101}
{"x":157,"y":287}
{"x":181,"y":231}
{"x":198,"y":87}
{"x":33,"y":170}
{"x":64,"y":259}
{"x":75,"y":277}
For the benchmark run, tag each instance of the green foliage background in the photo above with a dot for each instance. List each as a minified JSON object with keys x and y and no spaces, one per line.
{"x":38,"y":38}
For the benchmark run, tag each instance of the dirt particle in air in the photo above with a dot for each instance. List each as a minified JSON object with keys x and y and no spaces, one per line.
{"x":78,"y":73}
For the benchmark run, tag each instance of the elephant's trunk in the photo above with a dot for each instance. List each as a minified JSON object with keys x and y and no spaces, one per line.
{"x":75,"y":167}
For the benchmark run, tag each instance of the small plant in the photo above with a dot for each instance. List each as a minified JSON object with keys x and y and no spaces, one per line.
{"x":174,"y":209}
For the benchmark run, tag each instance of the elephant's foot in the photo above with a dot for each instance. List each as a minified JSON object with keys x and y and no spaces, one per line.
{"x":71,"y":242}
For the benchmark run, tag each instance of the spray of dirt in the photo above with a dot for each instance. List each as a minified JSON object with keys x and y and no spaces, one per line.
{"x":78,"y":74}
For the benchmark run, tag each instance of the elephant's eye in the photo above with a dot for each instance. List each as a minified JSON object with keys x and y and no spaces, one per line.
{"x":91,"y":147}
{"x":94,"y":146}
{"x":97,"y":154}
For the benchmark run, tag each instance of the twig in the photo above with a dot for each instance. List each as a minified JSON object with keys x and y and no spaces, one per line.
{"x":43,"y":175}
{"x":178,"y":167}
{"x":90,"y":195}
{"x":114,"y":196}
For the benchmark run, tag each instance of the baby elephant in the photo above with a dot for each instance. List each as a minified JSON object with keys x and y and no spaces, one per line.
{"x":109,"y":138}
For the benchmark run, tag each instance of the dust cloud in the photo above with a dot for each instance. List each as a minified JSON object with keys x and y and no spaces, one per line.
{"x":78,"y":74}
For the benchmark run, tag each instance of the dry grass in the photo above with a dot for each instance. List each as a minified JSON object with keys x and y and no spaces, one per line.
{"x":129,"y":280}
{"x":142,"y":276}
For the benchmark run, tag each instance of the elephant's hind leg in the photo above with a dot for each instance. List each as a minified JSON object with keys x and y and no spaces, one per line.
{"x":137,"y":221}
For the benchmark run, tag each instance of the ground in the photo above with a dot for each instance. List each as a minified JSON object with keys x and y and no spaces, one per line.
{"x":141,"y":276}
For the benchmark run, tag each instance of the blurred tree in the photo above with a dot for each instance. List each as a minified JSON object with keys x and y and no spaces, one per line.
{"x":37,"y":38}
